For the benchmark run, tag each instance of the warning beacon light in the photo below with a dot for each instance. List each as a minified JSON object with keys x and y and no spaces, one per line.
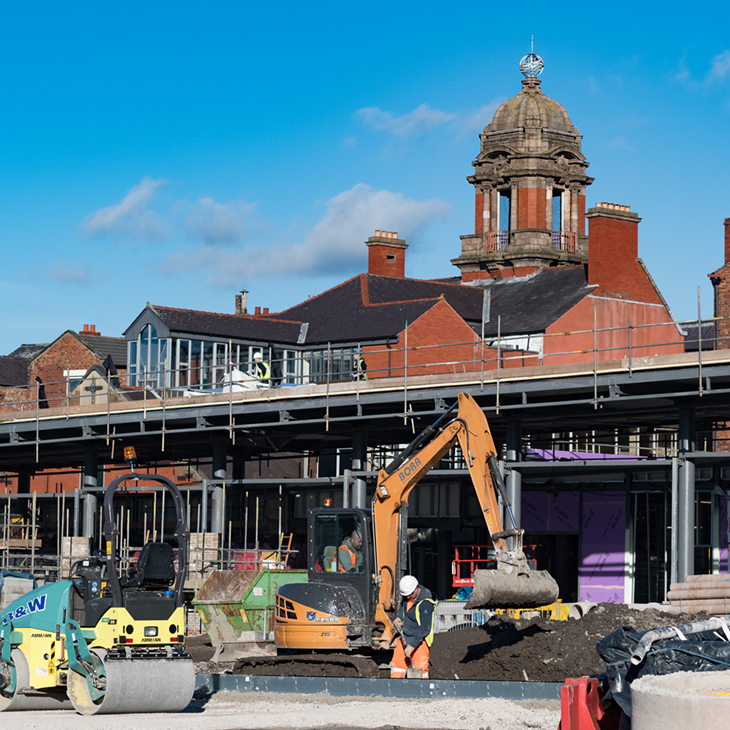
{"x":130,"y":456}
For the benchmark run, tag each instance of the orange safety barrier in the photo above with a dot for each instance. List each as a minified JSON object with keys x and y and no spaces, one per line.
{"x":580,"y":707}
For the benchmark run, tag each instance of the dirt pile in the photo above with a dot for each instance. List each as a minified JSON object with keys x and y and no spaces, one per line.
{"x":502,"y":649}
{"x":538,"y":649}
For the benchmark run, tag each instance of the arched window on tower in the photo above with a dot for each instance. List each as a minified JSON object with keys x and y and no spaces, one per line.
{"x":504,"y":220}
{"x":557,"y":210}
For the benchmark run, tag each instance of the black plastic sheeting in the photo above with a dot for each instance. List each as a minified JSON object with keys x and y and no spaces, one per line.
{"x":704,"y":652}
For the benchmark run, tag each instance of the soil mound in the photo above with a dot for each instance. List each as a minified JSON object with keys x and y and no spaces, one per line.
{"x":506,"y":649}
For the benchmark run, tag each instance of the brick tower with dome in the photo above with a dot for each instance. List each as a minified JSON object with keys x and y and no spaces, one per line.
{"x":530,"y":182}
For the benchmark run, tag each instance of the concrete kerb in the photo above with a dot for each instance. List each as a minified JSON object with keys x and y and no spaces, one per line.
{"x":361,"y":687}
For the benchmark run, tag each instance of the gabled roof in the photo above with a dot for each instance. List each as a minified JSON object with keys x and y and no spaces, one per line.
{"x":532,"y":303}
{"x":29,"y":352}
{"x":13,"y":371}
{"x":103,"y":346}
{"x":346,"y":313}
{"x":372,"y":307}
{"x":239,"y":326}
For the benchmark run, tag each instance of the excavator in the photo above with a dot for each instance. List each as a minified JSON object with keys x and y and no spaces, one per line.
{"x":101,"y":642}
{"x":351,"y":602}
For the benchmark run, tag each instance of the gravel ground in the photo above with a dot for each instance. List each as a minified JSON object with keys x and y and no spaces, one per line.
{"x":233,"y":711}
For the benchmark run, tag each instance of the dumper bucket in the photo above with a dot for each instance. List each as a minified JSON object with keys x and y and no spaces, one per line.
{"x":237,"y":609}
{"x":494,"y":589}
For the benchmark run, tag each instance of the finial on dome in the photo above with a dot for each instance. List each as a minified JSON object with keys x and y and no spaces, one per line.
{"x":531,"y":65}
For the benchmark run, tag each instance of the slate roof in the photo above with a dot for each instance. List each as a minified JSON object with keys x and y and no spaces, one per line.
{"x":239,"y":326}
{"x":29,"y":352}
{"x":103,"y":346}
{"x":371,"y":308}
{"x":374,"y":307}
{"x":533,"y":303}
{"x":342,"y":314}
{"x":13,"y":371}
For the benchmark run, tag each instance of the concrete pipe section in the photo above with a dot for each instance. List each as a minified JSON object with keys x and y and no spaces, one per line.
{"x":685,"y":700}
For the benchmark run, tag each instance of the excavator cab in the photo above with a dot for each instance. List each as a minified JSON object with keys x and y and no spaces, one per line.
{"x":334,"y":609}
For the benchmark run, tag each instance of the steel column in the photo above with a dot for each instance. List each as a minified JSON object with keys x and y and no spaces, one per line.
{"x":514,"y":476}
{"x":91,"y":468}
{"x":686,"y":496}
{"x":359,"y":463}
{"x":219,"y":473}
{"x":89,"y":526}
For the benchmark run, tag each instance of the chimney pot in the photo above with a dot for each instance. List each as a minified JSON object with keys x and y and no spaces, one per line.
{"x":257,"y":311}
{"x":266,"y":310}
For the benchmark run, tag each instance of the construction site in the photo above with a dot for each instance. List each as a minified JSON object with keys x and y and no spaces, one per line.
{"x":537,"y":443}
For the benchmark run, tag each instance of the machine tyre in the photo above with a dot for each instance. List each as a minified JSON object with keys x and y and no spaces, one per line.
{"x":135,"y":685}
{"x":25,"y":697}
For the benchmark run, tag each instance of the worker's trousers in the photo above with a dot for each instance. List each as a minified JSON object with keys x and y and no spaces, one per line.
{"x":418,"y":660}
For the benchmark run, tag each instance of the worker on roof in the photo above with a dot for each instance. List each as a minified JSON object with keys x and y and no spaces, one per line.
{"x":349,"y":554}
{"x":414,"y":622}
{"x":261,"y":369}
{"x":359,"y":366}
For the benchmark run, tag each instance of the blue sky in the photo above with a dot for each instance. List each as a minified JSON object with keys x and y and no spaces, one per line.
{"x":179,"y":152}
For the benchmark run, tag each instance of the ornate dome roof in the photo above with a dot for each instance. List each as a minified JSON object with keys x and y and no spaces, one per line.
{"x":531,"y":108}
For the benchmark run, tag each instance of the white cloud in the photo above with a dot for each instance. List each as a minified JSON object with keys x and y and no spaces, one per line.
{"x":336,"y":244}
{"x":422,"y":119}
{"x":720,"y":66}
{"x":133,"y":217}
{"x":216,"y":223}
{"x":474,"y":122}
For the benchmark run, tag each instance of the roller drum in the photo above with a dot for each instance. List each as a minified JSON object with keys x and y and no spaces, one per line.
{"x":136,"y":685}
{"x":27,"y":698}
{"x":493,"y":589}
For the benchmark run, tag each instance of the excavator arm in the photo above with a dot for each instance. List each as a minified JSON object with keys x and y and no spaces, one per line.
{"x":469,"y":428}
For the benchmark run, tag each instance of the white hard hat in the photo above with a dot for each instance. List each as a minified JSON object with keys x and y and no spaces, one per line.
{"x":257,"y":356}
{"x":408,"y":584}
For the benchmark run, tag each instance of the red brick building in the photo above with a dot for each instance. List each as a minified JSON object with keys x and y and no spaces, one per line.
{"x":538,"y":286}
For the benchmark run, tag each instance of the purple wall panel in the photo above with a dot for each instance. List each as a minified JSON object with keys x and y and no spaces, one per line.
{"x":724,"y":532}
{"x":547,"y":512}
{"x":603,"y":530}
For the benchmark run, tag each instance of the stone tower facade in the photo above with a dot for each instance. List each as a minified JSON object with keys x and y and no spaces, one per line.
{"x":530,"y":182}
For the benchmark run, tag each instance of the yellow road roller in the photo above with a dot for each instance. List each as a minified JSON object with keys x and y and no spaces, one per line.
{"x":100,"y":642}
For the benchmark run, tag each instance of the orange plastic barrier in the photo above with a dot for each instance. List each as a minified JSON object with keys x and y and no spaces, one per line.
{"x":580,"y":707}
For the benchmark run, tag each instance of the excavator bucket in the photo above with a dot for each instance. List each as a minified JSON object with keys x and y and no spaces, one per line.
{"x":495,"y":589}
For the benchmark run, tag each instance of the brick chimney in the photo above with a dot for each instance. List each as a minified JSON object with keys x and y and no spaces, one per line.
{"x":90,"y":329}
{"x":386,"y":254}
{"x":613,"y":249}
{"x":241,"y":302}
{"x":721,"y":291}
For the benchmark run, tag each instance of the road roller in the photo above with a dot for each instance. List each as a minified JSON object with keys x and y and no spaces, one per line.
{"x":101,"y":642}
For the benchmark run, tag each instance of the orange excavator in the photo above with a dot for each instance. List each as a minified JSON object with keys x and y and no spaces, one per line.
{"x":350,"y":598}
